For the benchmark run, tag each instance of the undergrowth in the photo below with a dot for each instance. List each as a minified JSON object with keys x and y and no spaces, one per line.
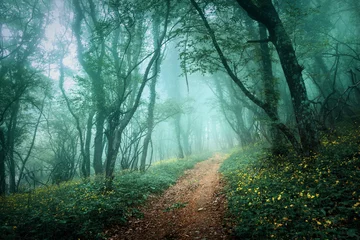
{"x":81,"y":209}
{"x":288,"y":197}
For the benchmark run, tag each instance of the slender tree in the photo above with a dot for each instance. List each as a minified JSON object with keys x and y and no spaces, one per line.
{"x":151,"y":105}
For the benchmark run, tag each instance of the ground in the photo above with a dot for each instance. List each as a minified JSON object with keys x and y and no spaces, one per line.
{"x":193,"y":208}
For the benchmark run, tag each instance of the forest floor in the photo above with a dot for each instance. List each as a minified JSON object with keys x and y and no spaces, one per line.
{"x":193,"y":208}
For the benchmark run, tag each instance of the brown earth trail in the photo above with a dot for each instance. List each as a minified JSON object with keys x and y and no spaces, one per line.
{"x":193,"y":208}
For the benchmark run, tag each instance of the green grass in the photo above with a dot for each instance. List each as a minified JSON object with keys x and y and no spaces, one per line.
{"x":81,"y":209}
{"x":296,"y":198}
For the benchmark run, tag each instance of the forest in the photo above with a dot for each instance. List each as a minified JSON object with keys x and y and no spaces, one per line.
{"x":179,"y":119}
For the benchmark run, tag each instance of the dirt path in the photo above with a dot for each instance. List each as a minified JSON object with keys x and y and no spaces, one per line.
{"x":191,"y":209}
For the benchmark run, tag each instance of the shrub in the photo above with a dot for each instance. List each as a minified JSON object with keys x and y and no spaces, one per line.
{"x":288,"y":197}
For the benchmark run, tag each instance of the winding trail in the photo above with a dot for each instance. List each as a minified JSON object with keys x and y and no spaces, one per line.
{"x":193,"y":208}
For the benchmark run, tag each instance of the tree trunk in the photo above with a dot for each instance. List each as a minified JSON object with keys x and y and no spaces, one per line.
{"x":86,"y":160}
{"x":11,"y":145}
{"x":150,"y":125}
{"x":114,"y":141}
{"x":266,"y":14}
{"x":94,"y":70}
{"x":2,"y":163}
{"x":232,"y":111}
{"x":25,"y":160}
{"x":119,"y":120}
{"x":186,"y":136}
{"x":276,"y":138}
{"x":116,"y":127}
{"x":177,"y":126}
{"x":151,"y":106}
{"x":85,"y":173}
{"x":98,"y":143}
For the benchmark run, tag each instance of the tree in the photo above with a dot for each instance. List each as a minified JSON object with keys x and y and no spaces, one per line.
{"x":119,"y":120}
{"x":92,"y":61}
{"x":84,"y":140}
{"x":112,"y":62}
{"x":152,"y":99}
{"x":20,"y":82}
{"x":64,"y":143}
{"x":266,"y":14}
{"x":233,"y":107}
{"x":171,"y":75}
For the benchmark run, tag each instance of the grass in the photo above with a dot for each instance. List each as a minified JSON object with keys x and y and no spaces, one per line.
{"x":80,"y":209}
{"x":288,"y":197}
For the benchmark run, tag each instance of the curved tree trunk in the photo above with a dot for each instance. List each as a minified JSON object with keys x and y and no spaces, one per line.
{"x":266,"y":14}
{"x":265,"y":106}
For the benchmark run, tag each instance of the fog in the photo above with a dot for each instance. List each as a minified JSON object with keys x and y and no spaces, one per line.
{"x":179,"y":119}
{"x":97,"y":88}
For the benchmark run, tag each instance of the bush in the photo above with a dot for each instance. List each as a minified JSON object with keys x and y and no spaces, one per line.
{"x":296,"y":198}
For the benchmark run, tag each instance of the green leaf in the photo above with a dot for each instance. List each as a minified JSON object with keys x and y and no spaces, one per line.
{"x":352,"y":232}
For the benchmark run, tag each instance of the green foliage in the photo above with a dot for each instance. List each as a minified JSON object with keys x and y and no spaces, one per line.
{"x":81,"y":209}
{"x":288,"y":197}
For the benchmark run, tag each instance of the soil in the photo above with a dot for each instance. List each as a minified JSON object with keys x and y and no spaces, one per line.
{"x":193,"y":208}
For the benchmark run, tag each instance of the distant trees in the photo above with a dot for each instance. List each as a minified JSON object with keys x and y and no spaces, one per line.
{"x":64,"y":144}
{"x":235,"y":108}
{"x":22,"y":86}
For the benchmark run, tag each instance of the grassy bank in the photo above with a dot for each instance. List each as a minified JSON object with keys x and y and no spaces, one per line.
{"x":296,"y":198}
{"x":80,"y":209}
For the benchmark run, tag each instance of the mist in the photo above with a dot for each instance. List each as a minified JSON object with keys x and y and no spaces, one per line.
{"x":120,"y":99}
